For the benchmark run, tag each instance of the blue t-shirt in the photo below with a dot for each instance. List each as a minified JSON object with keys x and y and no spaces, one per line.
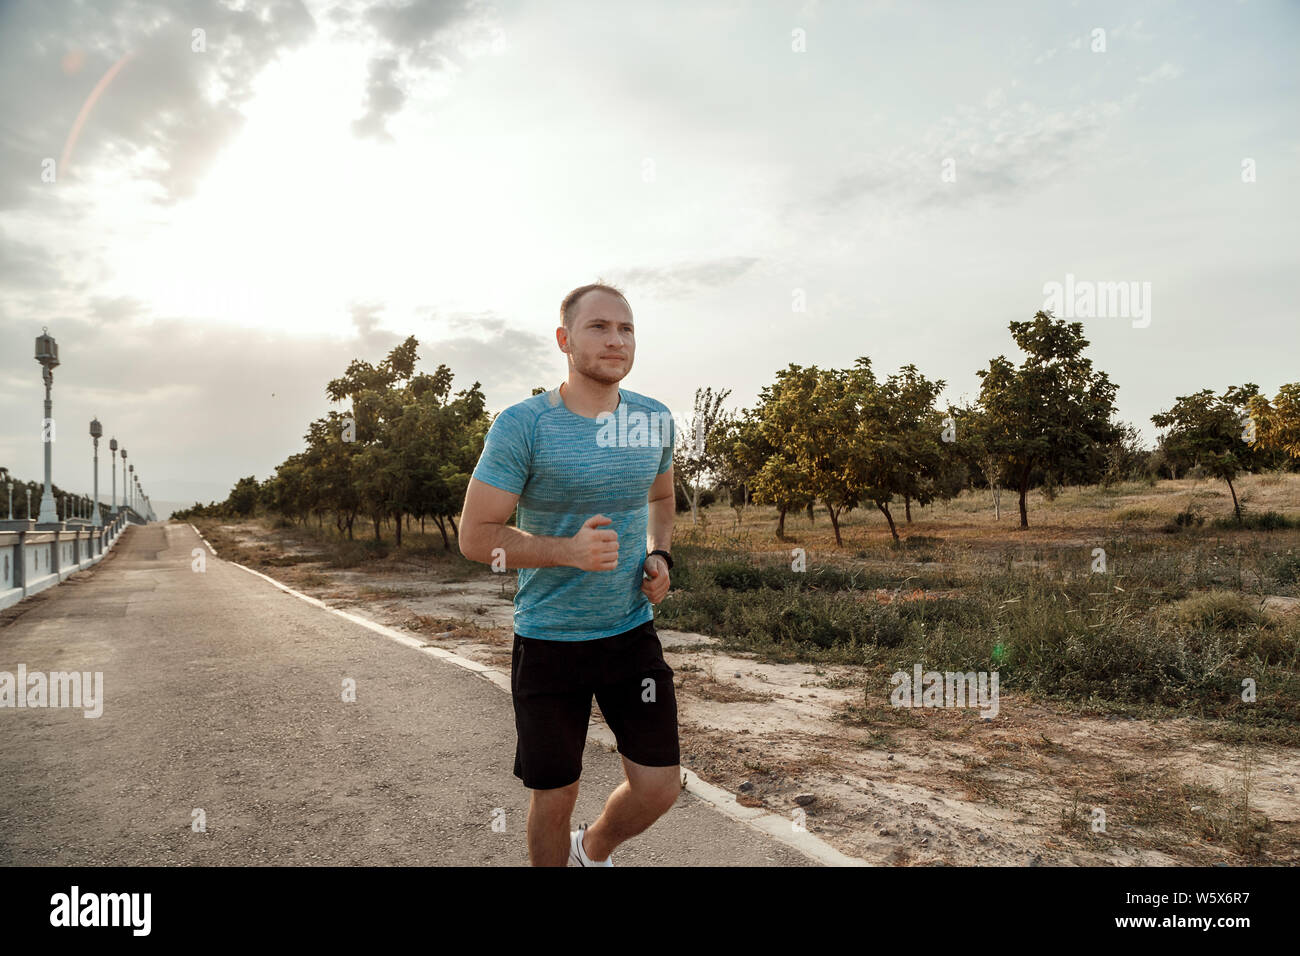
{"x":566,"y":468}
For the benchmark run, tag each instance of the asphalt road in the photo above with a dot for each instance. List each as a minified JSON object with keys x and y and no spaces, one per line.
{"x":223,"y":694}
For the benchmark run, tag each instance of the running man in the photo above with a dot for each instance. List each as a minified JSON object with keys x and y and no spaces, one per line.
{"x":589,"y":465}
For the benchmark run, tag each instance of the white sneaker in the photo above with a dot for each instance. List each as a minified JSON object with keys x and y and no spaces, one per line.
{"x":578,"y":853}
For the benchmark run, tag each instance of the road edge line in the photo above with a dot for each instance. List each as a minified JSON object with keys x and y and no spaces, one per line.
{"x":210,"y":547}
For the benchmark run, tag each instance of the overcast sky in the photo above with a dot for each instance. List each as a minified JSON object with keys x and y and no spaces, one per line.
{"x":238,"y":214}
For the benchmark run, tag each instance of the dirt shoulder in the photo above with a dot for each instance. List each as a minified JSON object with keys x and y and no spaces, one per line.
{"x":1036,"y":785}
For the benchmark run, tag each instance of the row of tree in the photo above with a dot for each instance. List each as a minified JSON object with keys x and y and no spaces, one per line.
{"x":847,"y":438}
{"x":405,"y":447}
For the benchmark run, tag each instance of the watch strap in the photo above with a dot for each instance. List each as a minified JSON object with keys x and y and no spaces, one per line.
{"x":668,"y":558}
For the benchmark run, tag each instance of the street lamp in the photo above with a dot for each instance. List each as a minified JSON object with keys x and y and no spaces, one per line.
{"x":112,"y":447}
{"x":47,"y":353}
{"x":96,"y":430}
{"x":131,"y":469}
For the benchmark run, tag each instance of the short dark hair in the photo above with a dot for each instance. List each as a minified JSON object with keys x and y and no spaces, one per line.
{"x":569,"y":307}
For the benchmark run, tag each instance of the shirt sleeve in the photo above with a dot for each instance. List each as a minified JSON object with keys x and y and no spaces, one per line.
{"x":507,"y":452}
{"x":666,"y":459}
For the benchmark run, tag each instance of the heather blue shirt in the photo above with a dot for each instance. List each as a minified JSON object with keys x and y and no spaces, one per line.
{"x":566,"y":468}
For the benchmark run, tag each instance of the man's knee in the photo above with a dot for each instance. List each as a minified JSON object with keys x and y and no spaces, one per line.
{"x":658,"y":787}
{"x":555,"y":802}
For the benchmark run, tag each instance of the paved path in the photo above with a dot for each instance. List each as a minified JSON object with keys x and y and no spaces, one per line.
{"x":223,"y":693}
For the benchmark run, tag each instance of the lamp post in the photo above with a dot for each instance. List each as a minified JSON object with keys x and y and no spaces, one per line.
{"x":47,"y":353}
{"x":131,"y":470}
{"x":112,"y":447}
{"x":96,"y":430}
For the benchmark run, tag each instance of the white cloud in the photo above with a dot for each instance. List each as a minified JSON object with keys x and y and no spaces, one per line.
{"x":1165,"y":71}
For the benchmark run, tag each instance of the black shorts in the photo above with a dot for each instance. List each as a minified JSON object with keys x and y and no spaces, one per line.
{"x":552,"y":683}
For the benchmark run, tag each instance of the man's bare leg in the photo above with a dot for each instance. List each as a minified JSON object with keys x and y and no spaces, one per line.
{"x":640,"y":800}
{"x":549,"y":816}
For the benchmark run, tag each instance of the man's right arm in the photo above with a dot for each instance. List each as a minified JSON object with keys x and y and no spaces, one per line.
{"x":483,"y":530}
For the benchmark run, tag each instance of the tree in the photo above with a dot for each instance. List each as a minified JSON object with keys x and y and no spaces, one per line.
{"x":329,"y":465}
{"x":1277,"y":424}
{"x":699,"y":453}
{"x":1210,"y":431}
{"x":983,"y":447}
{"x":896,"y":447}
{"x":1052,"y":412}
{"x":758,"y":448}
{"x":243,"y":497}
{"x":928,"y":466}
{"x":1125,"y":457}
{"x":440,"y":439}
{"x":828,"y":436}
{"x":735,"y":471}
{"x":376,"y":406}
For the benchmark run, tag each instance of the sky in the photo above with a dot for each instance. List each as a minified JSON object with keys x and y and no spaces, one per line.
{"x":215,"y":208}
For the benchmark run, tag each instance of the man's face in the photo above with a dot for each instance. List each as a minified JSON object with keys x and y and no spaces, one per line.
{"x":602,"y":343}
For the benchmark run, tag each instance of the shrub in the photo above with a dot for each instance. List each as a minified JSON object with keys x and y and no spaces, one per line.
{"x":1258,"y":521}
{"x":1283,"y":568}
{"x":1189,"y":517}
{"x":1219,"y":610}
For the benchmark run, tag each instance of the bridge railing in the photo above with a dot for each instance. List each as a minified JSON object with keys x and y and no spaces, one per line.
{"x":35,"y":557}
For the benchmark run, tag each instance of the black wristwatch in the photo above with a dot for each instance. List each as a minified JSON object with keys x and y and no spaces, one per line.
{"x":667,"y":557}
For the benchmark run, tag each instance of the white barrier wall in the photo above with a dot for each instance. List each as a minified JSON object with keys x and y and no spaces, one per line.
{"x":32,"y":560}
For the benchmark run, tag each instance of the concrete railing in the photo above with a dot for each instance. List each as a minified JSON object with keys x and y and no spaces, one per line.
{"x":34,"y":557}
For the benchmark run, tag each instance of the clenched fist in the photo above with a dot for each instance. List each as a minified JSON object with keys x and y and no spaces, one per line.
{"x":655,"y":584}
{"x":594,"y":548}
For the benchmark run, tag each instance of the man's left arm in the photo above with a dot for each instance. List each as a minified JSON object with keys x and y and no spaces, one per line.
{"x":659,"y":535}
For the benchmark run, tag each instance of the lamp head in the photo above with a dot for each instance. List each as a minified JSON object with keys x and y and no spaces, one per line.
{"x":47,"y":350}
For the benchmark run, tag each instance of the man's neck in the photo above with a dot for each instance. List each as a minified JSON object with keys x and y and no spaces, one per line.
{"x":589,"y":398}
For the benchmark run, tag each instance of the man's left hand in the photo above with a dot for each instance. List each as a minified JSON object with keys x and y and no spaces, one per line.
{"x":657,"y":585}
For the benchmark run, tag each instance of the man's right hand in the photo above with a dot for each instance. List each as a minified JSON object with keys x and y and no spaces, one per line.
{"x":594,"y":549}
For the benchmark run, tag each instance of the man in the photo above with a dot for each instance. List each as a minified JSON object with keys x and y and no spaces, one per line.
{"x":590,"y":467}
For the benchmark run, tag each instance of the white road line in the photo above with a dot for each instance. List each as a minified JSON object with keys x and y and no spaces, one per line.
{"x":210,"y":547}
{"x":764,"y":821}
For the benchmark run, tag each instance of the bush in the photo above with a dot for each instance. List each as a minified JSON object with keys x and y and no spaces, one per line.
{"x":350,"y":554}
{"x":1259,"y":521}
{"x":735,"y":576}
{"x":682,"y":503}
{"x":1187,"y":518}
{"x":1284,"y":568}
{"x":1219,"y":610}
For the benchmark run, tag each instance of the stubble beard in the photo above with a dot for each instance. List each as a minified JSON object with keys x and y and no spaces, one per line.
{"x":599,"y":371}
